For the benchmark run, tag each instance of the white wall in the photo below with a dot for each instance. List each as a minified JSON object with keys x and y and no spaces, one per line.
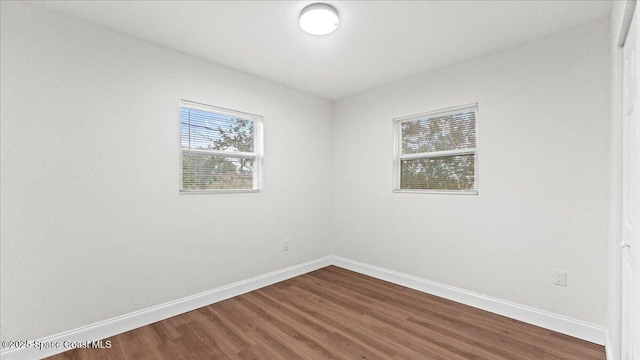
{"x":92,"y":223}
{"x":543,"y":117}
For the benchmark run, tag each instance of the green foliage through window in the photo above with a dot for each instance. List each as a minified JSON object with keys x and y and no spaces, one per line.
{"x":437,"y":151}
{"x":218,"y":150}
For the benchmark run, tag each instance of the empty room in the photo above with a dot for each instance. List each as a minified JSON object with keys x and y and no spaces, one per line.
{"x":320,"y":180}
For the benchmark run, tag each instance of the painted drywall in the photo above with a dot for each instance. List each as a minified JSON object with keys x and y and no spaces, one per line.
{"x":93,"y":225}
{"x":544,"y":124}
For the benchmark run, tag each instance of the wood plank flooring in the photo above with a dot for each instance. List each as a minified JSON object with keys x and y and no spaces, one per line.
{"x":334,"y":313}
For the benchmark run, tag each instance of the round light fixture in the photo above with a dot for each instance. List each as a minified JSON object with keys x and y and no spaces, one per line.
{"x":319,"y":19}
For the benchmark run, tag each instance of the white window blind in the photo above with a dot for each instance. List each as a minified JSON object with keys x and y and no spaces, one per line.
{"x":437,"y":151}
{"x":221,"y":149}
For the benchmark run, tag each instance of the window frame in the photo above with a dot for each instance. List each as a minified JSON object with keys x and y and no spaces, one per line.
{"x":398,"y":156}
{"x":257,"y":154}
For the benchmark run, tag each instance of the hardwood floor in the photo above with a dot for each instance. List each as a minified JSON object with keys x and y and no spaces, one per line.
{"x":334,"y":313}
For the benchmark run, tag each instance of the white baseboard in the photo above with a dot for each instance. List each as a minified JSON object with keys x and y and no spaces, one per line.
{"x":120,"y":324}
{"x":562,"y":324}
{"x":608,"y":348}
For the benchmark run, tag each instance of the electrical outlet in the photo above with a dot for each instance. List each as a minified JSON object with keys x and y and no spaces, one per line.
{"x":560,"y":277}
{"x":285,"y":245}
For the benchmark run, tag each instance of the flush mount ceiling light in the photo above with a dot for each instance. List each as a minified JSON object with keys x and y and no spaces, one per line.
{"x":319,"y":19}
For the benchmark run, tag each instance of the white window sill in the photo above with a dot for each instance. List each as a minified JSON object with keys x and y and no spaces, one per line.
{"x":208,"y":192}
{"x":442,"y":192}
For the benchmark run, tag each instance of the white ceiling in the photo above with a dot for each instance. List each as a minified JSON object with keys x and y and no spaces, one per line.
{"x":377,"y":42}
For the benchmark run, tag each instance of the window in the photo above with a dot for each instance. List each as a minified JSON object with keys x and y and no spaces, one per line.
{"x":221,"y":150}
{"x":437,"y":152}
